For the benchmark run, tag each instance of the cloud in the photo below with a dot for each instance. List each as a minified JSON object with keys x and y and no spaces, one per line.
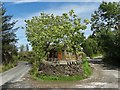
{"x":20,"y":1}
{"x":20,"y":32}
{"x":25,"y":1}
{"x":80,"y":10}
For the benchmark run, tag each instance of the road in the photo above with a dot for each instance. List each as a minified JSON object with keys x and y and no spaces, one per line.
{"x":15,"y":73}
{"x":104,"y":76}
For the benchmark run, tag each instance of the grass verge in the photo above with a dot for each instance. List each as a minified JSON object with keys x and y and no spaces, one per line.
{"x":58,"y":78}
{"x":86,"y":68}
{"x":6,"y":67}
{"x":87,"y":71}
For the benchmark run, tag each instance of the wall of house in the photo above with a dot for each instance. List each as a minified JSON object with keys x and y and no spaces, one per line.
{"x":60,"y":55}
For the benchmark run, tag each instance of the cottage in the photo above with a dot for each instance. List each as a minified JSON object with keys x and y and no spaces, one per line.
{"x":55,"y":54}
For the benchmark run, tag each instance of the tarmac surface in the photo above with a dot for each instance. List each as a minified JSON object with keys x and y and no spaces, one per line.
{"x":104,"y":76}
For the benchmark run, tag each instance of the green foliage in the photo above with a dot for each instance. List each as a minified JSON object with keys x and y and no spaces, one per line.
{"x":7,"y":67}
{"x":81,"y":54}
{"x":1,"y":68}
{"x":22,"y":48}
{"x":7,"y":37}
{"x":86,"y":68}
{"x":26,"y":56}
{"x":112,"y":50}
{"x":60,"y":78}
{"x":60,"y":31}
{"x":27,"y":47}
{"x":106,"y":17}
{"x":34,"y":71}
{"x":106,"y":28}
{"x":12,"y":64}
{"x":87,"y":71}
{"x":90,"y":47}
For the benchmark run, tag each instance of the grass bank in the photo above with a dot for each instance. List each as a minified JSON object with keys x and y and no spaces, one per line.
{"x":87,"y":71}
{"x":58,"y":78}
{"x":6,"y":67}
{"x":86,"y":68}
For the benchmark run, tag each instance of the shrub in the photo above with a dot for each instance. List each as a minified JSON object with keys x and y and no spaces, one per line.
{"x":86,"y":68}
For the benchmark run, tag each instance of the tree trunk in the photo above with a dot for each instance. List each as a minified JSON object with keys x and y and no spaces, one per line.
{"x":76,"y":55}
{"x":74,"y":49}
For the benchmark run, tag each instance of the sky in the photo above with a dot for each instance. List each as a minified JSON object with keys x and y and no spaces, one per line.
{"x":25,"y":9}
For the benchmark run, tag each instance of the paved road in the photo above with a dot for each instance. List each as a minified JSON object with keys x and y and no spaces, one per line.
{"x":103,"y":76}
{"x":14,"y":74}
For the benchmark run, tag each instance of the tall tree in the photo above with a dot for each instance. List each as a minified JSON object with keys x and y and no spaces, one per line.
{"x":106,"y":27}
{"x":7,"y":36}
{"x":59,"y":31}
{"x":106,"y":18}
{"x":90,"y":46}
{"x":22,"y":48}
{"x":27,"y":47}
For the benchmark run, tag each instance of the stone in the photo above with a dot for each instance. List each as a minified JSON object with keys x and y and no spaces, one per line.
{"x":61,"y":69}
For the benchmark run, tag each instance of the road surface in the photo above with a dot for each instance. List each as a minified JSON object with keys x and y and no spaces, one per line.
{"x":15,"y":73}
{"x":103,"y":76}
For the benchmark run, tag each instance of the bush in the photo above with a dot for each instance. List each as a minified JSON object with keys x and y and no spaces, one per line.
{"x":34,"y":71}
{"x":7,"y":67}
{"x":27,"y":56}
{"x":86,"y":68}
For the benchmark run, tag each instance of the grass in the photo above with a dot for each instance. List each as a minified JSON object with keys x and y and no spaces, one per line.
{"x":6,"y":67}
{"x":86,"y":68}
{"x":58,"y":78}
{"x":1,"y":68}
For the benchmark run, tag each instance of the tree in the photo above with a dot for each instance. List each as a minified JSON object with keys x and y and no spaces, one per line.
{"x":90,"y":46}
{"x":27,"y":47}
{"x":107,"y":17}
{"x":59,"y":31}
{"x":106,"y":27}
{"x":7,"y":36}
{"x":22,"y":48}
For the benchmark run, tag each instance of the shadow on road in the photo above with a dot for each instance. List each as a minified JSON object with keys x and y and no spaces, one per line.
{"x":109,"y":66}
{"x":6,"y":85}
{"x":104,"y":65}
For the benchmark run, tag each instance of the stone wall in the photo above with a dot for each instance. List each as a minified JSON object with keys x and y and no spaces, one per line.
{"x":61,"y":69}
